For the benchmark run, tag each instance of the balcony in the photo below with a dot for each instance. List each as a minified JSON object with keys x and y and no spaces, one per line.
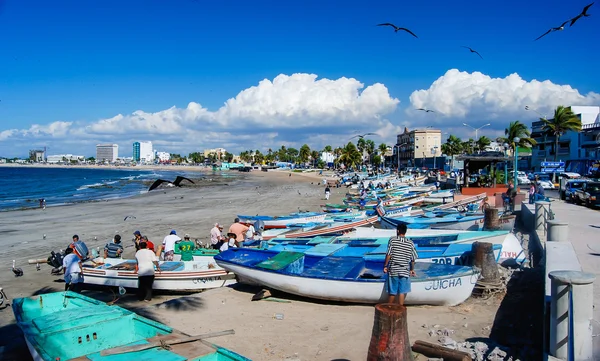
{"x":590,"y":127}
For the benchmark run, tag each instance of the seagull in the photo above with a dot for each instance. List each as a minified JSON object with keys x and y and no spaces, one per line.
{"x":37,"y":266}
{"x":129,"y":217}
{"x":558,"y":28}
{"x":426,"y":110}
{"x":363,"y":135}
{"x":17,"y":271}
{"x":583,"y":13}
{"x":472,"y":51}
{"x":397,"y":28}
{"x":44,"y":236}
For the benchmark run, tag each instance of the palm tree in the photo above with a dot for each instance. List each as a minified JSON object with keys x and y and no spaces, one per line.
{"x":452,"y":147}
{"x":382,"y":150}
{"x":361,"y":145}
{"x":563,"y":121}
{"x":327,"y":149}
{"x":517,"y":129}
{"x":482,"y":143}
{"x":370,"y":148}
{"x":315,"y":157}
{"x":304,"y":153}
{"x":338,"y":153}
{"x":351,"y":156}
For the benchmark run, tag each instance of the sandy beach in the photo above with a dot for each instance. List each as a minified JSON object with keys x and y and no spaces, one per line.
{"x":310,"y":330}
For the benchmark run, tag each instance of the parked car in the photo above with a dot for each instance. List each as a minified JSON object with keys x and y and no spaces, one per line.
{"x":570,"y":187}
{"x":522,"y":178}
{"x":588,"y":194}
{"x":563,"y":179}
{"x":545,"y":181}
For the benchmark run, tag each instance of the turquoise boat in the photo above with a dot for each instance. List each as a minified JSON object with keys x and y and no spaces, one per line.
{"x":68,"y":326}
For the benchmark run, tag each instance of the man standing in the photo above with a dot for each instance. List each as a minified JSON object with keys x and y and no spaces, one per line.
{"x":187,"y":248}
{"x":216,"y":238}
{"x":113,"y":249}
{"x":146,"y":260}
{"x":73,"y":271}
{"x":239,"y":230}
{"x":168,"y":246}
{"x":327,"y":192}
{"x":399,"y":265}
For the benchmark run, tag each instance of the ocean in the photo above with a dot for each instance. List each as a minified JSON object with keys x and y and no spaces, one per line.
{"x":23,"y":187}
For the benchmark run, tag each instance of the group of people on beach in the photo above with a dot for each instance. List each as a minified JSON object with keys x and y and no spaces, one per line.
{"x":237,"y":233}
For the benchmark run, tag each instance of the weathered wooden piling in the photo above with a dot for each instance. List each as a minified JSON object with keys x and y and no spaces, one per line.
{"x":432,"y":350}
{"x":491,"y":220}
{"x":389,"y":340}
{"x":485,"y":260}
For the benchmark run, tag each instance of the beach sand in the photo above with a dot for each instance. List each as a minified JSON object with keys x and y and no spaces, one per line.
{"x":310,"y":330}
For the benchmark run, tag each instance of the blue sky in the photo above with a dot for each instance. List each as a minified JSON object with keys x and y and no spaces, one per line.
{"x":79,"y":62}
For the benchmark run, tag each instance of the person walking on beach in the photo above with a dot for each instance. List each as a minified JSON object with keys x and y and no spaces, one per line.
{"x":168,"y":246}
{"x":327,"y":192}
{"x":239,"y":230}
{"x":73,"y":271}
{"x":216,"y":238}
{"x":399,"y":265}
{"x":144,"y":267}
{"x":114,"y":249}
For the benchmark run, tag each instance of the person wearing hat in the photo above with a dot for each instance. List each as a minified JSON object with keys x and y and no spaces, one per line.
{"x":168,"y":246}
{"x":137,"y":240}
{"x":216,"y":237}
{"x":187,"y":248}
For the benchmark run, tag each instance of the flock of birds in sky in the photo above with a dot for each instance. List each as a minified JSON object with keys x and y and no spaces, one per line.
{"x":559,"y":28}
{"x":572,"y":21}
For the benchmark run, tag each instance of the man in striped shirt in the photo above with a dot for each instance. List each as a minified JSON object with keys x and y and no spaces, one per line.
{"x":399,"y":265}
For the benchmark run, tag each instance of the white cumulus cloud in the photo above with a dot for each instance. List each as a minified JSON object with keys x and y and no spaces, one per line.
{"x":461,"y":95}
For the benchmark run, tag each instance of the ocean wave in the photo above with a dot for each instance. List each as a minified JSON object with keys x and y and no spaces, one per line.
{"x":96,"y":185}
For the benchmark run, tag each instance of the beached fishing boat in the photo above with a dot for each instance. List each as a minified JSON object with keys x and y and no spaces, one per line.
{"x":334,"y":228}
{"x":456,"y":221}
{"x":454,"y":253}
{"x":175,"y":276}
{"x":282,"y":221}
{"x":69,"y":326}
{"x":347,"y":279}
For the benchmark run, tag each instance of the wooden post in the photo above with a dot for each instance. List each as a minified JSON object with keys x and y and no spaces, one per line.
{"x":433,"y":350}
{"x":491,"y":220}
{"x":389,"y":340}
{"x":484,"y":259}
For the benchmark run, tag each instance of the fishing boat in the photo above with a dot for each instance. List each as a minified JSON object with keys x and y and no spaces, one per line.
{"x":283,"y":221}
{"x":454,"y":253}
{"x":334,"y":228}
{"x":347,"y":279}
{"x":69,"y":326}
{"x":190,"y":276}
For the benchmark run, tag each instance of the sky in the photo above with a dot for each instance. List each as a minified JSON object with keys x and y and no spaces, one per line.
{"x":192,"y":74}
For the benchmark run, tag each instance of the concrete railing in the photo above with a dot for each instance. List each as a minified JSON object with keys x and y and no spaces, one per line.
{"x":568,"y":299}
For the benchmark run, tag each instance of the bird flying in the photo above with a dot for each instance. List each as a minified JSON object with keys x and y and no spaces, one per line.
{"x":558,"y":28}
{"x":179,"y":179}
{"x":583,"y":14}
{"x":157,"y":183}
{"x":397,"y":28}
{"x":363,"y":135}
{"x":426,"y":110}
{"x":472,"y":51}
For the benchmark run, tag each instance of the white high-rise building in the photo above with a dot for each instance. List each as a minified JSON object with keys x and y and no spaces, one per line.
{"x":107,"y":153}
{"x":146,"y":152}
{"x":163,"y":156}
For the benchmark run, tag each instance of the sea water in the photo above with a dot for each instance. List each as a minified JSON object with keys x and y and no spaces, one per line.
{"x":23,"y":187}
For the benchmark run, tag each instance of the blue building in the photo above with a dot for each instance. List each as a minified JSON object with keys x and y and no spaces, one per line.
{"x":136,"y":151}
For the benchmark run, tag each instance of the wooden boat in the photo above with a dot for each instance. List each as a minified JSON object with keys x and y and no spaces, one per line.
{"x":279,"y":221}
{"x":69,"y":326}
{"x":335,"y":228}
{"x":347,"y":279}
{"x":175,"y":276}
{"x":454,"y":253}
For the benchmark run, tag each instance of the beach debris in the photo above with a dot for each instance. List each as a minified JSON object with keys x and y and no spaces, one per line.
{"x":278,"y":316}
{"x":261,"y":295}
{"x":432,"y":350}
{"x":325,"y":328}
{"x":129,"y":217}
{"x":17,"y":271}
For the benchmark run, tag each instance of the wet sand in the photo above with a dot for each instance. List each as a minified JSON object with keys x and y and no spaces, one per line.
{"x":309,"y":330}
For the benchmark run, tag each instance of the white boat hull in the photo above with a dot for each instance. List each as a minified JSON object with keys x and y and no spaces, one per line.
{"x":195,"y":277}
{"x":285,"y":221}
{"x":440,"y":291}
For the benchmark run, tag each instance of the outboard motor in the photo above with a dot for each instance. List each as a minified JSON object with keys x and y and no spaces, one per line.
{"x":259,"y":227}
{"x":56,"y":260}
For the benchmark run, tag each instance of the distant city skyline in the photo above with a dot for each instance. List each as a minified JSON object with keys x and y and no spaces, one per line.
{"x":76,"y":74}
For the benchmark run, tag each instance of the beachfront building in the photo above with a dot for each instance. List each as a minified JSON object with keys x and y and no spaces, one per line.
{"x":143,"y":152}
{"x":163,"y":157}
{"x":571,"y":145}
{"x":413,"y":147}
{"x":36,"y":156}
{"x":65,"y":158}
{"x":328,"y":158}
{"x":107,"y":153}
{"x":217,"y":153}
